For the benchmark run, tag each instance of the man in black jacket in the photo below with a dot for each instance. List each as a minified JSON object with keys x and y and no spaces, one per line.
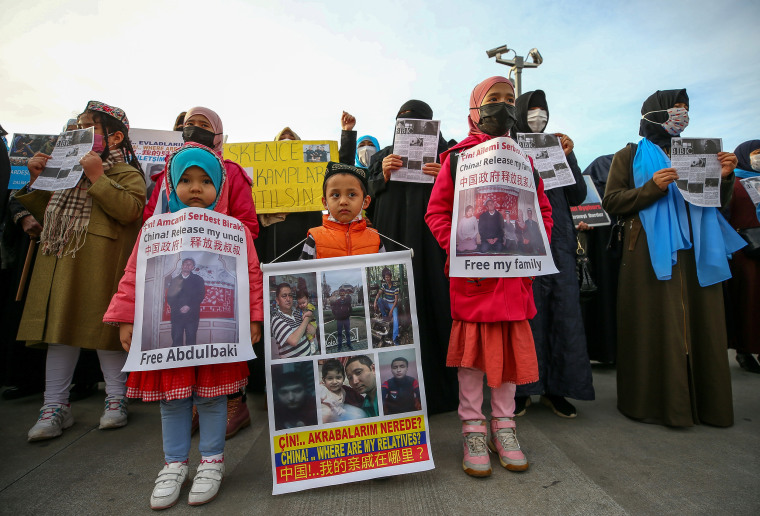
{"x":185,"y":295}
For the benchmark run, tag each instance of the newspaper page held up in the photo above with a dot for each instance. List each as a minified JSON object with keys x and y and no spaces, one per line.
{"x":63,"y":169}
{"x":548,"y":158}
{"x":416,"y":141}
{"x":752,"y":186}
{"x":497,"y":230}
{"x":696,"y":161}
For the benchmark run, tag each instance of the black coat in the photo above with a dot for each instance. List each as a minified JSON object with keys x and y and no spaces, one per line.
{"x":398,"y":211}
{"x":563,"y":364}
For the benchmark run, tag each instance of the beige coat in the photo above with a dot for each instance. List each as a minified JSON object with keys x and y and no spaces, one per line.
{"x":68,"y":296}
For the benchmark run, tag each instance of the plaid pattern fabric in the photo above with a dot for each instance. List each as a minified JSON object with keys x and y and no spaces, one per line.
{"x":207,"y":381}
{"x":67,"y":215}
{"x":113,"y":111}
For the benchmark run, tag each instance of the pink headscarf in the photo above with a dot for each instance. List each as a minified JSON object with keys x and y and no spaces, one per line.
{"x":216,"y":124}
{"x":476,"y":99}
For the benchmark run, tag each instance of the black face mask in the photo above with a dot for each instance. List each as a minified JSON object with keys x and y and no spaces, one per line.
{"x":193,"y":133}
{"x":497,"y":119}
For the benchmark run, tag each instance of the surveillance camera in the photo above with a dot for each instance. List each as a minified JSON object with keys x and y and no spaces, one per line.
{"x":498,"y":50}
{"x":536,"y":56}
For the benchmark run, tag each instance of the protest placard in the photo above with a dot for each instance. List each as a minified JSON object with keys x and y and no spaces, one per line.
{"x":344,"y":379}
{"x":152,"y":146}
{"x":287,"y":175}
{"x":752,"y":187}
{"x":548,"y":158}
{"x":23,"y":147}
{"x":496,"y":229}
{"x":416,"y":141}
{"x":696,"y":161}
{"x":191,"y":292}
{"x":590,"y":210}
{"x":63,"y":169}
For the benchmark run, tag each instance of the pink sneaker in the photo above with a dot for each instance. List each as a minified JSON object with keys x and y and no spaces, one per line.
{"x":476,"y":461}
{"x":504,"y":442}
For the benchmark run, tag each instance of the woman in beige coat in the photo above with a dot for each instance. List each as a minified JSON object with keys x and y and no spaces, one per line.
{"x":88,"y":234}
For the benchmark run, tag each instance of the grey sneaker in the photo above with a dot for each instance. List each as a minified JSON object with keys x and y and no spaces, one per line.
{"x":53,"y":418}
{"x":115,"y":412}
{"x":476,"y":461}
{"x":168,"y":485}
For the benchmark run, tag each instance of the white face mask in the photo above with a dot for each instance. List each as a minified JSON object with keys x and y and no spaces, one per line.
{"x":754,"y":162}
{"x":678,"y":119}
{"x":537,"y":119}
{"x":365,"y":153}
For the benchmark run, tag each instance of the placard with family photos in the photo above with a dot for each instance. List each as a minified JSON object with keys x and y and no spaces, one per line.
{"x":344,"y":379}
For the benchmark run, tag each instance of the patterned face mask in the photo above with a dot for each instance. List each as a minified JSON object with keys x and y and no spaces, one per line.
{"x":678,"y":119}
{"x":754,"y":162}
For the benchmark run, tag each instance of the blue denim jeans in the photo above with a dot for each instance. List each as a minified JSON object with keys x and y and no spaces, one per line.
{"x":385,"y":307}
{"x":177,"y":420}
{"x":344,"y":324}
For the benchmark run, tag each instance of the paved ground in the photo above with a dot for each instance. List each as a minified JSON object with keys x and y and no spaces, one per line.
{"x":598,"y":463}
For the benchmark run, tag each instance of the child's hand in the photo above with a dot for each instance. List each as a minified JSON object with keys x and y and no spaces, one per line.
{"x":92,"y":166}
{"x":125,"y":335}
{"x":255,"y":331}
{"x":36,"y":165}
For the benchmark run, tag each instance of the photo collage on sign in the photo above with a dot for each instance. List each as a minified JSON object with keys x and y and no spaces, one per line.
{"x":341,"y":345}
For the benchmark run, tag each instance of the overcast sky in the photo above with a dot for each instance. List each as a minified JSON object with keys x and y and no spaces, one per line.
{"x":263,"y":65}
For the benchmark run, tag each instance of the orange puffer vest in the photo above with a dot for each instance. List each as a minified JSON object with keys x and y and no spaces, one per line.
{"x":334,"y":239}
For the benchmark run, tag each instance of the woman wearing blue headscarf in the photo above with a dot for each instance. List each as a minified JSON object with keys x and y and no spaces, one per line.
{"x":743,"y":295}
{"x":672,"y":364}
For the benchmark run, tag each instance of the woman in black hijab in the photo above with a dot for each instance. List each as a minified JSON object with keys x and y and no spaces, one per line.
{"x":397,"y":211}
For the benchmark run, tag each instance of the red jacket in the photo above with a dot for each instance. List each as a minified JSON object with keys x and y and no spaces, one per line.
{"x":239,"y":196}
{"x":334,"y":239}
{"x":480,"y":299}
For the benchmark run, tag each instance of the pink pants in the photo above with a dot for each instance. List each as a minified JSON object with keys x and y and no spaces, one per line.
{"x":471,"y":396}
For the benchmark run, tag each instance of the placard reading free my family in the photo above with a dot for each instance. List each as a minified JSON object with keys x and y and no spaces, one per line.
{"x":497,"y":230}
{"x":191,"y":292}
{"x":344,"y":377}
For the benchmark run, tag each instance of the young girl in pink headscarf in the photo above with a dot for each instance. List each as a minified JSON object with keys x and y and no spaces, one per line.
{"x":490,"y":333}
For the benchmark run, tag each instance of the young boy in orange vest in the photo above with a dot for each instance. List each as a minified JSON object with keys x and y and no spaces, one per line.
{"x":344,"y":231}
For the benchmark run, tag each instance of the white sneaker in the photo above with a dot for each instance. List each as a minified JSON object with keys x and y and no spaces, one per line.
{"x":115,"y":412}
{"x":206,"y":483}
{"x":168,"y":485}
{"x":53,"y":418}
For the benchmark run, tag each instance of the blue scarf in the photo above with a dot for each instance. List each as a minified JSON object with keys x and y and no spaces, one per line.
{"x":667,"y":226}
{"x":744,"y":174}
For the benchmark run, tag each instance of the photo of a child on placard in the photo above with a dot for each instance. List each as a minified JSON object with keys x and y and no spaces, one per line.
{"x":345,"y":319}
{"x":338,"y":401}
{"x":390,"y":318}
{"x":190,"y":298}
{"x":400,"y":389}
{"x":294,"y":318}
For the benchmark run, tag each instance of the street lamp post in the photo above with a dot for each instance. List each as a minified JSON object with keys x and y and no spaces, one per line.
{"x":517,"y":64}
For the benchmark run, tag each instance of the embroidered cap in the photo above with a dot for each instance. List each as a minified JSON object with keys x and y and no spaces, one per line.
{"x":113,"y":111}
{"x":341,"y":168}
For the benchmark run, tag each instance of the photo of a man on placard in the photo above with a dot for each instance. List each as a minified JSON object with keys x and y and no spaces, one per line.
{"x":184,"y":296}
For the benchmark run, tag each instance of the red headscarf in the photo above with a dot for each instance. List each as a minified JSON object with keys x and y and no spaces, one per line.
{"x":476,"y":99}
{"x":216,"y":124}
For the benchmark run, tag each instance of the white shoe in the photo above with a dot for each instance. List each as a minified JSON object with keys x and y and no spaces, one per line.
{"x":206,"y":483}
{"x":115,"y":412}
{"x":53,"y":418}
{"x":168,"y":484}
